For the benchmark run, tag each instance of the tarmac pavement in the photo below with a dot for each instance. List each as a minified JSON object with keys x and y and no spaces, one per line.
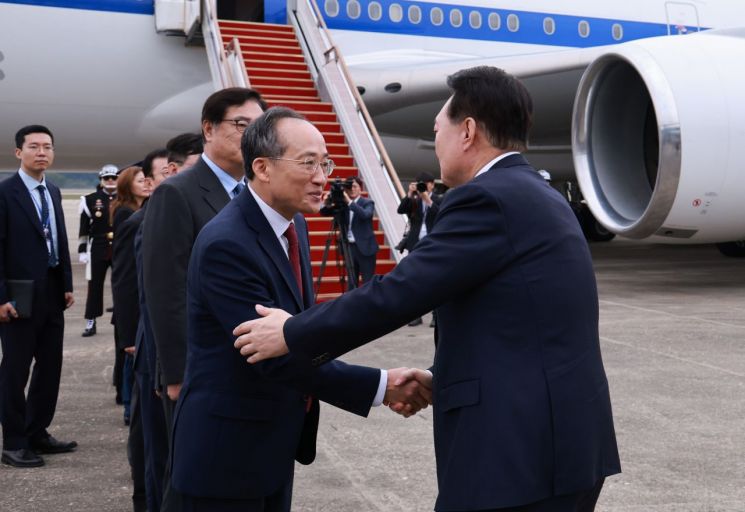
{"x":672,"y":325}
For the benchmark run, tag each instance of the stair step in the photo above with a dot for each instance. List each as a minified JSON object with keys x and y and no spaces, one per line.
{"x":271,"y":65}
{"x":319,"y":237}
{"x":249,"y":40}
{"x":305,"y":106}
{"x":259,"y":25}
{"x":294,"y":92}
{"x":279,"y":73}
{"x":269,"y":52}
{"x":259,"y":55}
{"x":257,"y":32}
{"x":282,"y":82}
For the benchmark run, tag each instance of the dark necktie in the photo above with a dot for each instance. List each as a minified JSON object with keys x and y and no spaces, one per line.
{"x":238,"y":189}
{"x":294,"y":254}
{"x":46,"y":226}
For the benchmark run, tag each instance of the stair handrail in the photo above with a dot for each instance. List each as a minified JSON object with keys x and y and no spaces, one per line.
{"x":226,"y":65}
{"x":236,"y":65}
{"x":367,"y":147}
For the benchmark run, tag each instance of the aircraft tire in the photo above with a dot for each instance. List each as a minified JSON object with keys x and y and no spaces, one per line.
{"x":732,"y":249}
{"x":594,"y":231}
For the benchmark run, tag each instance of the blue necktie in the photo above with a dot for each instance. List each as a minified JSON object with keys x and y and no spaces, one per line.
{"x":238,"y":189}
{"x":46,"y":226}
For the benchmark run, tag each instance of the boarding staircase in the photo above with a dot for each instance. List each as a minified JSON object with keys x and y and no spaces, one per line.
{"x":298,"y":66}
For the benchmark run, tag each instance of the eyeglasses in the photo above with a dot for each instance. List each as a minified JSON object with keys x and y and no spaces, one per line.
{"x":310,"y":165}
{"x":240,"y":124}
{"x":109,"y":178}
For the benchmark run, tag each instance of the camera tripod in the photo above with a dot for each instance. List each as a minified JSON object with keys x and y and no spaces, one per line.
{"x":343,"y":256}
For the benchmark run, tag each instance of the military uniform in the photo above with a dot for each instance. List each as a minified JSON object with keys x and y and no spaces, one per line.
{"x":96,"y":235}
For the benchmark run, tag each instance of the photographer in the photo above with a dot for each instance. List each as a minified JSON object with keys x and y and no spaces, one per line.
{"x":355,"y":214}
{"x":420,"y":205}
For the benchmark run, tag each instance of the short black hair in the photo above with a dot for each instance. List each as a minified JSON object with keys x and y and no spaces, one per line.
{"x":182,"y":146}
{"x":261,"y":138}
{"x":219,"y":102}
{"x":353,"y":179}
{"x":497,"y":101}
{"x":27,"y":130}
{"x":147,"y":162}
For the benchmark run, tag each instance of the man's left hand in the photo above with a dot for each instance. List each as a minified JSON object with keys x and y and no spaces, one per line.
{"x":69,"y":300}
{"x":263,"y":338}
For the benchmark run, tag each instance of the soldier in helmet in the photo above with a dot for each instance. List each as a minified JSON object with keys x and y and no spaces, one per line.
{"x":95,"y":242}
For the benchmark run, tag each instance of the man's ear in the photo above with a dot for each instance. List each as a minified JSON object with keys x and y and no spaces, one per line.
{"x":469,"y":129}
{"x":18,"y":153}
{"x":207,"y":130}
{"x":260,"y":169}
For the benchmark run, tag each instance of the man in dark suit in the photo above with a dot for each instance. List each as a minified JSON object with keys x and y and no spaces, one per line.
{"x":33,"y":246}
{"x":360,"y":234}
{"x":237,"y":434}
{"x":420,"y":205}
{"x":182,"y":152}
{"x":522,"y":412}
{"x":176,"y":212}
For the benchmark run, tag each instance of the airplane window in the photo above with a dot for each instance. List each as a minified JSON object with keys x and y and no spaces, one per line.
{"x":583,"y":28}
{"x":331,"y":7}
{"x":435,"y":16}
{"x":415,"y":14}
{"x":474,"y":19}
{"x":513,"y":23}
{"x":617,"y":31}
{"x":374,"y":11}
{"x":353,"y":9}
{"x":395,"y":13}
{"x":456,"y":18}
{"x":495,"y":21}
{"x":549,"y":27}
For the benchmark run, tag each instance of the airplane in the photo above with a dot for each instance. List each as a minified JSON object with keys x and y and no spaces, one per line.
{"x":639,"y":103}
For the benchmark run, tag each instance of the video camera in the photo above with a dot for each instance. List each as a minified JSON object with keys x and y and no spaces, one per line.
{"x":421,"y":186}
{"x":336,"y":200}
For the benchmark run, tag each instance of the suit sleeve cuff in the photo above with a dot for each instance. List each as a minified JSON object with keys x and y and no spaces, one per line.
{"x":380,"y":395}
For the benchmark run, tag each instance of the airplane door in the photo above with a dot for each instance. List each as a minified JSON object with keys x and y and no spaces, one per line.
{"x":682,"y":18}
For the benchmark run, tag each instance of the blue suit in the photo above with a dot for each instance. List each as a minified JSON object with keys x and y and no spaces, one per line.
{"x":24,"y":255}
{"x":521,"y":408}
{"x":236,"y":434}
{"x":365,"y":247}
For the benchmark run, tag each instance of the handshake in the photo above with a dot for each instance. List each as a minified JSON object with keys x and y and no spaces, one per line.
{"x":409,"y":390}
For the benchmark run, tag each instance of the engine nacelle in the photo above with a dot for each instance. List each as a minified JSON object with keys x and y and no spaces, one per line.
{"x":658,"y":137}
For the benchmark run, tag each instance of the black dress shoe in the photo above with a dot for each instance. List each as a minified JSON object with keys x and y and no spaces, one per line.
{"x":432,"y":323}
{"x":415,"y":322}
{"x":110,"y":310}
{"x":89,"y":331}
{"x":23,"y":458}
{"x":51,"y":445}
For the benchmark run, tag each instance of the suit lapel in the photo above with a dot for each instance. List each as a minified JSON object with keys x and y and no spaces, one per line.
{"x":27,"y":204}
{"x":269,"y":243}
{"x":212,"y":190}
{"x":59,"y":216}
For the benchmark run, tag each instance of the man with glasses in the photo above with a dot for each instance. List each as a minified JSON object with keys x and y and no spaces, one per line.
{"x":95,"y":237}
{"x":35,"y":262}
{"x":237,"y":434}
{"x":176,"y":213}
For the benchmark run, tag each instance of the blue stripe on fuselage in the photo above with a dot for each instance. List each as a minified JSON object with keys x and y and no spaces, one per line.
{"x":126,"y":6}
{"x":530,"y":31}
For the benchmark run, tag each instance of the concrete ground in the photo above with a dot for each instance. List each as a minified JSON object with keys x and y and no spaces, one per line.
{"x":672,"y":324}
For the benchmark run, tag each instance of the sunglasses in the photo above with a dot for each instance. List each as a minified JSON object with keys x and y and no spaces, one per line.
{"x":108,"y":178}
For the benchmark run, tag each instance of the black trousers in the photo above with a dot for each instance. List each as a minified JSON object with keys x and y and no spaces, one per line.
{"x":39,"y":340}
{"x":363,"y":265}
{"x":155,"y":439}
{"x":578,"y":502}
{"x":280,"y":501}
{"x":136,"y":453}
{"x":100,"y":263}
{"x":172,"y":500}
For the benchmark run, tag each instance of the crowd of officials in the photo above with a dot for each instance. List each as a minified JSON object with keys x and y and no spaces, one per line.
{"x":210,"y":258}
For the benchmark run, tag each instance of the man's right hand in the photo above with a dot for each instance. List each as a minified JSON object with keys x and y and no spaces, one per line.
{"x":7,"y":312}
{"x":173,"y":391}
{"x":83,"y":257}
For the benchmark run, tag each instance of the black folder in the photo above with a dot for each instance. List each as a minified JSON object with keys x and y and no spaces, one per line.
{"x":21,"y":292}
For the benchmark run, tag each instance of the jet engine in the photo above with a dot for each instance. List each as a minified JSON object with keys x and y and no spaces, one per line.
{"x":658,"y":137}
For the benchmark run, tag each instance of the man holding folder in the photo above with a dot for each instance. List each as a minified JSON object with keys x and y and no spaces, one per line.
{"x":34,"y":269}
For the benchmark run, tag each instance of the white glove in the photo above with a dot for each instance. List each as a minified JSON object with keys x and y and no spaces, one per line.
{"x":83,"y":257}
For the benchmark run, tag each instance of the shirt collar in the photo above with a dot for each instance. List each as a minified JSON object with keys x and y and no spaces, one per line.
{"x":226,"y":180}
{"x":30,"y":182}
{"x":278,"y":223}
{"x":492,"y":162}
